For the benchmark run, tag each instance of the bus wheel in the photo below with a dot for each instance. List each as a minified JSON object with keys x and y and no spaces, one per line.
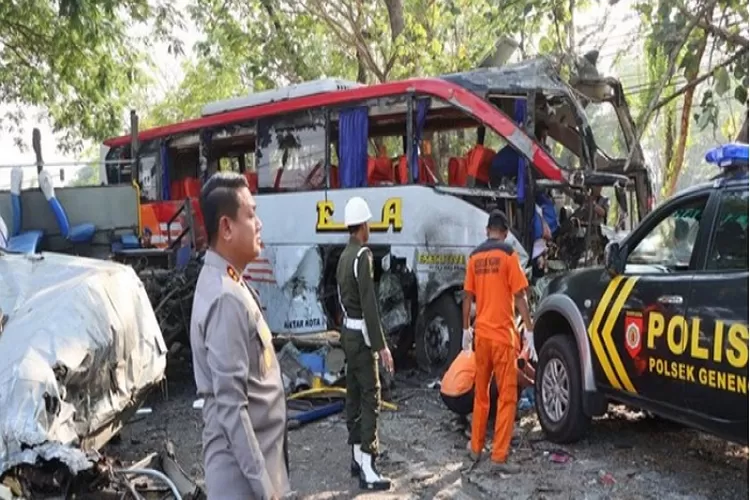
{"x":438,"y":340}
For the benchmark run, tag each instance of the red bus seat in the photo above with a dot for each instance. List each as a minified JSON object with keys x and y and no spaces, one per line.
{"x":457,"y":171}
{"x":176,"y":192}
{"x":379,"y":170}
{"x":427,"y":171}
{"x":478,"y":162}
{"x":252,"y":181}
{"x":191,"y":187}
{"x":426,"y":174}
{"x":335,"y":184}
{"x":402,"y":171}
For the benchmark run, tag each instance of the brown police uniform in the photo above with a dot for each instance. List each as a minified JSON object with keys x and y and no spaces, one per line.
{"x":236,"y":371}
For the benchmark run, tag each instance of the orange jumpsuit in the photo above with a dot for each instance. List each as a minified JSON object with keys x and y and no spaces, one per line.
{"x":494,"y":275}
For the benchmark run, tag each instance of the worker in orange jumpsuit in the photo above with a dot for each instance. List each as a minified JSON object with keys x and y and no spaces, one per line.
{"x":495,"y":279}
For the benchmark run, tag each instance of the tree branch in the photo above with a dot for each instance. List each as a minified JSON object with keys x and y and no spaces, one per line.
{"x":672,"y":61}
{"x":699,"y":80}
{"x":716,"y":31}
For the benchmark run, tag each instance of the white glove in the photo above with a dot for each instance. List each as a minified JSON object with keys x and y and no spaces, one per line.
{"x":467,"y":339}
{"x":528,"y":340}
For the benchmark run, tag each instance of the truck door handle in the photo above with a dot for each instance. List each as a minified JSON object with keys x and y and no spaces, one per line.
{"x":670,"y":299}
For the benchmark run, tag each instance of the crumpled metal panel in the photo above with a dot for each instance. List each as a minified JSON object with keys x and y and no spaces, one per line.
{"x":80,"y":344}
{"x":531,"y":74}
{"x":287,"y":283}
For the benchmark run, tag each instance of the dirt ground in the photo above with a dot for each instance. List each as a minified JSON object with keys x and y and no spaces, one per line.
{"x":625,"y":456}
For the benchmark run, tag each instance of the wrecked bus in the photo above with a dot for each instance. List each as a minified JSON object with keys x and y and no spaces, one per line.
{"x":419,"y":151}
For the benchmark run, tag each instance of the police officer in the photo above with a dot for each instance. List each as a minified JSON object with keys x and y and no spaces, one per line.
{"x":364,"y":343}
{"x":236,"y":370}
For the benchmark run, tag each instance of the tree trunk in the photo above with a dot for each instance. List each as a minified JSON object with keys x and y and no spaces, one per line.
{"x":742,"y":135}
{"x":668,"y":150}
{"x":395,"y":17}
{"x":687,"y":105}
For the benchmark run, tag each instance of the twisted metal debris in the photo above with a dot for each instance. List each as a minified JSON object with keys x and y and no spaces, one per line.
{"x":171,"y":293}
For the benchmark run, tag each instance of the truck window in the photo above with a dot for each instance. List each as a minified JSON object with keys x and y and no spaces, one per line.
{"x":670,"y":243}
{"x":729,"y":251}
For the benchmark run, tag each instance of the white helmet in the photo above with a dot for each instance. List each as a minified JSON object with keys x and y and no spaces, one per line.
{"x":356,"y":212}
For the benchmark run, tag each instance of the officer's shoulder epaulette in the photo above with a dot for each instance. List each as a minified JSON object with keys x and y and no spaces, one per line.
{"x":232,"y":273}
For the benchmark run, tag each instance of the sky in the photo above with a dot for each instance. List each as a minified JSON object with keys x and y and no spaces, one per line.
{"x":620,"y":24}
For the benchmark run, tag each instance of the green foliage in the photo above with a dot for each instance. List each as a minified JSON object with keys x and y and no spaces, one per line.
{"x":78,"y":60}
{"x":685,"y":27}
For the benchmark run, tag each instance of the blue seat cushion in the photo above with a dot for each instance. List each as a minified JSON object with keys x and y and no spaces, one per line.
{"x":82,"y":233}
{"x":26,"y":242}
{"x":129,"y":241}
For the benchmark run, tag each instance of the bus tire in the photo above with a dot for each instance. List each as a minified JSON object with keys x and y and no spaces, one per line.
{"x":438,"y":339}
{"x":558,"y":361}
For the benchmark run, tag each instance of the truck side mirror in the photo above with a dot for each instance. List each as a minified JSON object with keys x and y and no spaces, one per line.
{"x":615,"y":258}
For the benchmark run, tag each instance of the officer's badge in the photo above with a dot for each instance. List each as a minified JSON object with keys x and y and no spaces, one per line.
{"x":233,"y":274}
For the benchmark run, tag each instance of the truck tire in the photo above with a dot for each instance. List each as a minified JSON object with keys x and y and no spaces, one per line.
{"x":558,"y":374}
{"x":438,"y":339}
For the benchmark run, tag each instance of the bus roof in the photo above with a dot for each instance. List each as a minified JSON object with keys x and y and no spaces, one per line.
{"x":434,"y":87}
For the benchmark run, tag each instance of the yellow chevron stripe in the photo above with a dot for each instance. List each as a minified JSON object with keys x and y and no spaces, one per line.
{"x":612,"y":318}
{"x":594,"y":332}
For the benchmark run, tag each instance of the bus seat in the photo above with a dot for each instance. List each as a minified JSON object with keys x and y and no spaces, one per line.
{"x":457,"y":171}
{"x":335,"y":183}
{"x":19,"y":240}
{"x":478,"y":162}
{"x":402,"y":172}
{"x":26,"y":242}
{"x":191,"y":187}
{"x":379,"y":170}
{"x":176,"y":192}
{"x":252,"y":181}
{"x":80,"y":233}
{"x":427,"y":171}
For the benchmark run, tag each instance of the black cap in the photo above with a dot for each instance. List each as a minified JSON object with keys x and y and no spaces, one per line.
{"x":497,"y":220}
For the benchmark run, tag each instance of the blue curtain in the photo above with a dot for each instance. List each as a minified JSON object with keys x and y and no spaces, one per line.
{"x":519,"y":113}
{"x":165,"y":182}
{"x":423,"y":106}
{"x":353,"y":131}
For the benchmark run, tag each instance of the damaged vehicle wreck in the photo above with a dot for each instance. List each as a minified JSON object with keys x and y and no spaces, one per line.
{"x":80,"y":348}
{"x":420,"y":152}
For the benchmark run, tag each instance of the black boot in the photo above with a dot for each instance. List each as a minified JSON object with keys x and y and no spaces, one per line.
{"x":369,"y":477}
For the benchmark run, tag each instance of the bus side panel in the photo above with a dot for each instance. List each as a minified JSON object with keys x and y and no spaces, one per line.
{"x":109,"y":208}
{"x":287,"y":280}
{"x":432,"y":232}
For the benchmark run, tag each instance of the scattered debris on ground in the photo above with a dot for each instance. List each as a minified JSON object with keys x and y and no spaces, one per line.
{"x":626,"y":454}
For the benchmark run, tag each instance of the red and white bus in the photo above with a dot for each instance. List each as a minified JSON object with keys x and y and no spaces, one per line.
{"x":420,"y":151}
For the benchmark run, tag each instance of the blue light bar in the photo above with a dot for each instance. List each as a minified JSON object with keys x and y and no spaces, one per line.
{"x":728,"y":155}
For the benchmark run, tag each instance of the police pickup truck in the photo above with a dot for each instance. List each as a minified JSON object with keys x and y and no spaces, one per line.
{"x":663,"y":327}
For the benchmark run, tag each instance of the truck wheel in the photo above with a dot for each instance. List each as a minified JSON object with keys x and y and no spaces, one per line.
{"x":438,"y":340}
{"x":559,"y":391}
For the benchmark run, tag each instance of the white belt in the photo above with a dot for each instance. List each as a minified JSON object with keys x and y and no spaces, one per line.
{"x":354,"y":324}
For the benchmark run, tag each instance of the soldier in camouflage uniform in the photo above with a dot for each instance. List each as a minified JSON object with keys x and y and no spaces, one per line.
{"x":364,"y":343}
